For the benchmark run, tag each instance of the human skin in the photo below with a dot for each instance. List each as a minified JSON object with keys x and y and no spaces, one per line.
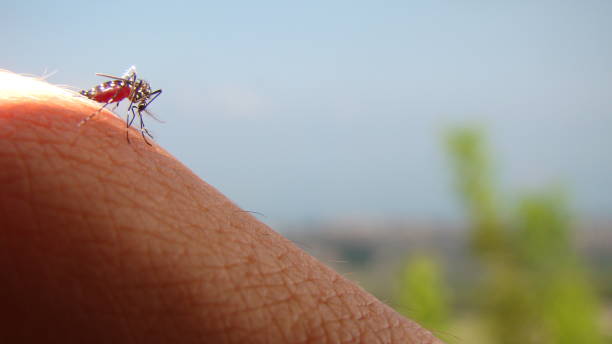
{"x":102,"y":241}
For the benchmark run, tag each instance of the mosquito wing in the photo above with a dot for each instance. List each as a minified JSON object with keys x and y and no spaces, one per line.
{"x":153,"y":116}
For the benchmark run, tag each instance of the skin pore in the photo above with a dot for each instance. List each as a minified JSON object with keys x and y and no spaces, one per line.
{"x":102,"y":241}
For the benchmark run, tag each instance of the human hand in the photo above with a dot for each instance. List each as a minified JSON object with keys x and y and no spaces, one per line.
{"x":102,"y":241}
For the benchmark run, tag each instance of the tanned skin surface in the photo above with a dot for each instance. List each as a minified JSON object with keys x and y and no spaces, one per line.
{"x":102,"y":241}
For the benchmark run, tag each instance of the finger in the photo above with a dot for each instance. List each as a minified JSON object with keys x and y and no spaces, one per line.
{"x":105,"y":241}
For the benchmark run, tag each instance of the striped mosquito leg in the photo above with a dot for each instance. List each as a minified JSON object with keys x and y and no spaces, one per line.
{"x":88,"y":118}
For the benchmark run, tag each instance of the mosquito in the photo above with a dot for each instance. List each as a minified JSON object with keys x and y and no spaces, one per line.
{"x":127,"y":86}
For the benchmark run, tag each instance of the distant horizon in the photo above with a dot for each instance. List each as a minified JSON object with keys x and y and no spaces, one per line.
{"x":603,"y":223}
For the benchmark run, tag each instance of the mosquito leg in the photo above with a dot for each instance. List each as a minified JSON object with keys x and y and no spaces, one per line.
{"x":148,"y":133}
{"x":143,"y":130}
{"x":145,"y":138}
{"x":88,"y":118}
{"x":132,"y":106}
{"x":142,"y":126}
{"x":152,"y":97}
{"x":128,"y":123}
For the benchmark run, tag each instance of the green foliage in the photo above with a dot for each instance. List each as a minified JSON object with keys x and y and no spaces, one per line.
{"x":570,"y":308}
{"x":422,"y":293}
{"x":542,"y":232}
{"x":534,"y":288}
{"x":475,"y":183}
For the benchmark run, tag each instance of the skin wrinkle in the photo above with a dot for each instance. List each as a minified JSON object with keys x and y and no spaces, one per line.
{"x":333,"y":324}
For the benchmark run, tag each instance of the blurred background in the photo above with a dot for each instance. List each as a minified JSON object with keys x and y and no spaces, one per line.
{"x":453,"y":157}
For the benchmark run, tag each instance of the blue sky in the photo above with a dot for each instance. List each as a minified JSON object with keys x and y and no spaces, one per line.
{"x":318,"y":110}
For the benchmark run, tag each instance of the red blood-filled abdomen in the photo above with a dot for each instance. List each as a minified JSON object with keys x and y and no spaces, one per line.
{"x":112,"y":95}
